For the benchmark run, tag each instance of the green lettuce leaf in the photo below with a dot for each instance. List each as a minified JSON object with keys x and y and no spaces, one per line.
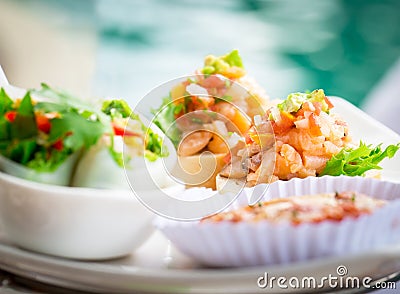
{"x":355,"y":162}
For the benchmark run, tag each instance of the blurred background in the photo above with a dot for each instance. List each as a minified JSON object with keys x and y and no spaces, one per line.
{"x":124,"y":48}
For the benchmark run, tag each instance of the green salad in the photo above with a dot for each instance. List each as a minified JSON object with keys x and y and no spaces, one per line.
{"x":39,"y":135}
{"x":42,"y":135}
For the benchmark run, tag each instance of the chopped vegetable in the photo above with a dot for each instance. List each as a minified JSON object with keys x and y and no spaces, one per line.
{"x":297,"y":137}
{"x":356,"y":161}
{"x":42,"y":135}
{"x":294,"y":101}
{"x":229,"y":65}
{"x":206,"y":93}
{"x":120,"y":114}
{"x":116,"y":108}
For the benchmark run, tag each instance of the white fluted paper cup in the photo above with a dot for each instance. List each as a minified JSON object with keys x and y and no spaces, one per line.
{"x":261,"y":243}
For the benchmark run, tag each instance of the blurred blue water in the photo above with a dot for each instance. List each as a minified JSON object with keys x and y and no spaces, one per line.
{"x":342,"y":46}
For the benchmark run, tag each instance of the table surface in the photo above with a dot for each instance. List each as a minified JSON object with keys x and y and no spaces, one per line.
{"x":10,"y":284}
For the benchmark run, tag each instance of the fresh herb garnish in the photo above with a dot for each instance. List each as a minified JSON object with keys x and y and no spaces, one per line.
{"x":42,"y":135}
{"x":356,"y":161}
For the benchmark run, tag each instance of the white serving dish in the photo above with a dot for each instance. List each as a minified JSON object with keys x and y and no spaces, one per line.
{"x":61,"y":176}
{"x":157,"y":267}
{"x":71,"y":222}
{"x":362,"y":127}
{"x":79,"y":223}
{"x":244,"y":244}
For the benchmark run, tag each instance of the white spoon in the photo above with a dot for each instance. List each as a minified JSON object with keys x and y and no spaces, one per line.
{"x":3,"y":78}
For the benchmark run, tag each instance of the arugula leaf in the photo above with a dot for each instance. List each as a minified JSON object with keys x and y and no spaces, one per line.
{"x":18,"y":139}
{"x":63,"y":100}
{"x":60,"y":97}
{"x":5,"y":102}
{"x":25,"y":106}
{"x":24,"y":125}
{"x":355,"y":162}
{"x":23,"y":151}
{"x":52,"y":107}
{"x":4,"y":129}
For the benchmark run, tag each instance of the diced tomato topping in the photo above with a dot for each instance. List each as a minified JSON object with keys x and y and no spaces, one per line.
{"x":300,"y":112}
{"x":318,"y":107}
{"x":200,"y":102}
{"x":10,"y":115}
{"x":315,"y":129}
{"x":248,"y":139}
{"x":120,"y":131}
{"x":330,"y":105}
{"x":178,"y":115}
{"x":286,"y":118}
{"x":43,"y":123}
{"x":212,"y":81}
{"x":308,"y":106}
{"x":130,"y":133}
{"x":250,"y":134}
{"x":285,"y":123}
{"x":59,"y":145}
{"x":227,"y":158}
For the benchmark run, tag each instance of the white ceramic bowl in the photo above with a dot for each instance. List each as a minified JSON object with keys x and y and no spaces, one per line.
{"x":70,"y":222}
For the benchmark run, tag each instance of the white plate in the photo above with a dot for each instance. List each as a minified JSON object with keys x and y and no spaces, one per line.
{"x":157,"y":267}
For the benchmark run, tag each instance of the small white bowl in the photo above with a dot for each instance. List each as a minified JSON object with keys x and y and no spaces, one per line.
{"x":71,"y":222}
{"x":242,"y":244}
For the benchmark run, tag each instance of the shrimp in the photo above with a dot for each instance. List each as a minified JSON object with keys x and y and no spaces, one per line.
{"x":233,"y":115}
{"x":234,"y":170}
{"x":313,"y":162}
{"x":292,"y":157}
{"x":194,"y":142}
{"x":218,"y":145}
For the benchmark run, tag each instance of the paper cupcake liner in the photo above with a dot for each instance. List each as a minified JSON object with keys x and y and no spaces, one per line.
{"x":263,"y":243}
